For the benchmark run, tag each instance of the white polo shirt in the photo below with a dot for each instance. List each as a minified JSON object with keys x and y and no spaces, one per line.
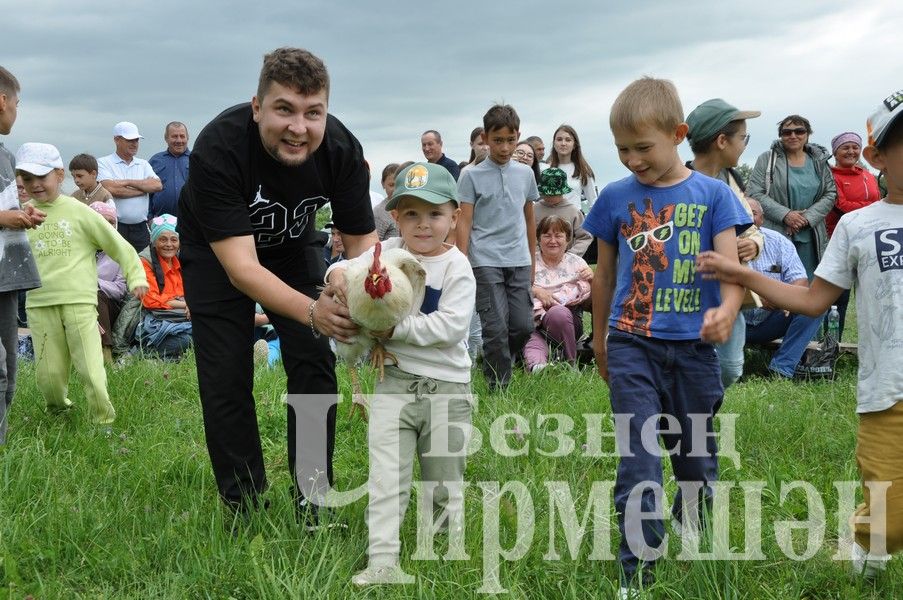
{"x":128,"y":210}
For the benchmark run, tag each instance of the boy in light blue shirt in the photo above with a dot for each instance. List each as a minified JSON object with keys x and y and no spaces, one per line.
{"x":497,"y":232}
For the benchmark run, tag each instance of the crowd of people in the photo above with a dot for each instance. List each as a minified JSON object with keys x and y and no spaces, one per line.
{"x":506,"y":239}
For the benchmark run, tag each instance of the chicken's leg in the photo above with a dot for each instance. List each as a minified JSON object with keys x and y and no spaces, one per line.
{"x":378,"y":356}
{"x":358,"y":402}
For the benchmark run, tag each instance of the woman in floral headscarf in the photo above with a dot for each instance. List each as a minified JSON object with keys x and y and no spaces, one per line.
{"x":165,"y":328}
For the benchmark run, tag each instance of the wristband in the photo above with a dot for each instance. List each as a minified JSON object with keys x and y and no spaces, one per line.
{"x":310,"y":318}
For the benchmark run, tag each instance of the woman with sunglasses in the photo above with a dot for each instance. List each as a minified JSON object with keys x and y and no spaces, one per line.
{"x":796,"y":189}
{"x":717,"y":138}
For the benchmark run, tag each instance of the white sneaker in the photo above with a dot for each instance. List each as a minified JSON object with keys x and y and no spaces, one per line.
{"x":385,"y":575}
{"x":261,"y":352}
{"x":538,"y":367}
{"x":631,"y":593}
{"x":864,"y":564}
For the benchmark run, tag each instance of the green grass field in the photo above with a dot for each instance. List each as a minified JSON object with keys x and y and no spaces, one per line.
{"x":134,"y":513}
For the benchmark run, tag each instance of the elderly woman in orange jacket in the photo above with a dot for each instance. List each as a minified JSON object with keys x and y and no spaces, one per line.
{"x":165,"y":328}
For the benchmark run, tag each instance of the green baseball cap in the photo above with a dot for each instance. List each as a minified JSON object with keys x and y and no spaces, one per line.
{"x":427,"y":181}
{"x":711,"y":116}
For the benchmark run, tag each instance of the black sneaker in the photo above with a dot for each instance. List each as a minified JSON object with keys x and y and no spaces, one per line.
{"x":585,"y":353}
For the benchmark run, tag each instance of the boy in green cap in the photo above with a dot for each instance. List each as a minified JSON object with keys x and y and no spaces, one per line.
{"x":717,"y":136}
{"x":553,"y":185}
{"x":424,"y":402}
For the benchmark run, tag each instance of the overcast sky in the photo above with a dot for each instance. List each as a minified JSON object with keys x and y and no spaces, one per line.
{"x":399,"y":68}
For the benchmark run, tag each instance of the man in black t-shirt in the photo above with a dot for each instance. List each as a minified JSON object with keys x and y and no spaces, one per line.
{"x":257,"y":175}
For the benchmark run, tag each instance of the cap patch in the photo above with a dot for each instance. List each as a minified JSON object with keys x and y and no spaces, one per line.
{"x":416,"y":178}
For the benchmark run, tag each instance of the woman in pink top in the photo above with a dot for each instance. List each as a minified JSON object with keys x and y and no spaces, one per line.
{"x":562,"y":283}
{"x":856,"y":188}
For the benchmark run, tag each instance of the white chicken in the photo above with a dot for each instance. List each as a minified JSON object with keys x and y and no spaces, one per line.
{"x":378,"y":297}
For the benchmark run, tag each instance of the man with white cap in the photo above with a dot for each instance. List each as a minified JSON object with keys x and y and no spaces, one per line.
{"x":130,"y":180}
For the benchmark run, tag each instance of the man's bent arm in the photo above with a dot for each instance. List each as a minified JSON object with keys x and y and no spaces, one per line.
{"x":238,"y":255}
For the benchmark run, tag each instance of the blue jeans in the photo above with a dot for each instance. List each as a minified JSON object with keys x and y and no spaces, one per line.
{"x":796,"y":330}
{"x":651,"y":379}
{"x":730,"y":353}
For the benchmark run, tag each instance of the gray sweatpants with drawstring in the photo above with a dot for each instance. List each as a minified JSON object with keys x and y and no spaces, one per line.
{"x":413,"y":415}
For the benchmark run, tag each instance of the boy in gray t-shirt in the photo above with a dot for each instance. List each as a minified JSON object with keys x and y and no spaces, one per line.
{"x":496,"y":231}
{"x":17,"y":267}
{"x":866,"y":249}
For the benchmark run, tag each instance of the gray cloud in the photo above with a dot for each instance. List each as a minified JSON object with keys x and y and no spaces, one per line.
{"x":399,"y":68}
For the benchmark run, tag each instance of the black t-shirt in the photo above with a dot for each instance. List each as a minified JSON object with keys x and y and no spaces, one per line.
{"x":236,"y":188}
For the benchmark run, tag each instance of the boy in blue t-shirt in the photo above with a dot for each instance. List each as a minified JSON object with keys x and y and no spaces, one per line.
{"x":659,"y":319}
{"x":496,"y":231}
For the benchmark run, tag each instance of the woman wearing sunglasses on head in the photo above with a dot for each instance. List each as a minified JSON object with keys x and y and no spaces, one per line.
{"x":796,"y":189}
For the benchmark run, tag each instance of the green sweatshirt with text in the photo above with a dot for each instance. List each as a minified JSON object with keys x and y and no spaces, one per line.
{"x":65,"y":248}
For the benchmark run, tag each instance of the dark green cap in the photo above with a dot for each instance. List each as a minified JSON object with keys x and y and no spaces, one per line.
{"x":711,"y":116}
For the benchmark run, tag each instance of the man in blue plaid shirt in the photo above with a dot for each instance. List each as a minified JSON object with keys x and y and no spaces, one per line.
{"x":780,"y":261}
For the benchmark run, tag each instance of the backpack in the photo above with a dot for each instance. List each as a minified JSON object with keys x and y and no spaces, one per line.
{"x":123,"y":333}
{"x":819,"y":362}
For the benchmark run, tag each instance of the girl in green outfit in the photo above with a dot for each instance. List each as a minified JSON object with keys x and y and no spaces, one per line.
{"x":62,"y":313}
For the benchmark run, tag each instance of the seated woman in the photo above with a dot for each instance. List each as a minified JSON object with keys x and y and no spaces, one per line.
{"x":562,"y":283}
{"x":111,"y":288}
{"x":165,"y":328}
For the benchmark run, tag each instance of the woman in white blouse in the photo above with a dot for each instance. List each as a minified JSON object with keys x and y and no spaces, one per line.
{"x":567,"y":156}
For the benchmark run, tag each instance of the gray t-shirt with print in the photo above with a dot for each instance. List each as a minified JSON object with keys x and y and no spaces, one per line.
{"x":867,"y":248}
{"x":18,"y":270}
